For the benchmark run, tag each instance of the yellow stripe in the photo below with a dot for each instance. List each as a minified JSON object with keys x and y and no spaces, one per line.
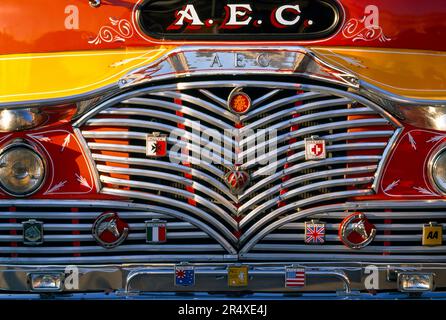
{"x":25,"y":77}
{"x":410,"y":73}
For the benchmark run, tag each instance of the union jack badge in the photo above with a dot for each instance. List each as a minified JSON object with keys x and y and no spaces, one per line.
{"x":314,"y":232}
{"x":156,"y":145}
{"x":315,"y":149}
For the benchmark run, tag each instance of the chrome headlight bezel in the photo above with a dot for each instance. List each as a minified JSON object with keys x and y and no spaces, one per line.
{"x":43,"y":164}
{"x":434,"y":164}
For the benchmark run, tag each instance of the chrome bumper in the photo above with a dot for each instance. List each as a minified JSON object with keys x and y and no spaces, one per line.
{"x":266,"y":281}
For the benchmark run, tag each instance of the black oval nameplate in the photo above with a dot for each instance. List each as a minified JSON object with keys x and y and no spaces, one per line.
{"x":245,"y":20}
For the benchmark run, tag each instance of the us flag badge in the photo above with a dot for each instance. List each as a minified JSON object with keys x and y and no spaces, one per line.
{"x":156,"y":231}
{"x":156,"y":145}
{"x":314,"y":232}
{"x":315,"y":149}
{"x":294,"y":277}
{"x":184,"y":276}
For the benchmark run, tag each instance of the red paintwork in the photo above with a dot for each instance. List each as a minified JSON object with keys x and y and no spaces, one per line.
{"x":66,"y":163}
{"x":405,"y":174}
{"x":39,"y":25}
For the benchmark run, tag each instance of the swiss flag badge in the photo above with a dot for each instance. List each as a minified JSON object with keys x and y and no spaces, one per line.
{"x":315,"y":149}
{"x":156,"y":145}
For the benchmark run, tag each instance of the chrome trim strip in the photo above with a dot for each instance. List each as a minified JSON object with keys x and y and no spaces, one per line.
{"x":142,"y":136}
{"x":211,"y":84}
{"x":170,"y":177}
{"x":265,"y":97}
{"x":91,"y":164}
{"x":171,"y":155}
{"x":213,"y":97}
{"x":284,"y":101}
{"x":341,"y":248}
{"x":174,"y":167}
{"x":116,"y":122}
{"x":322,"y":211}
{"x":191,"y":60}
{"x":306,"y":118}
{"x":88,"y":237}
{"x":156,"y":198}
{"x":335,"y":238}
{"x":268,"y":219}
{"x":340,"y":257}
{"x":386,"y":154}
{"x":301,"y":190}
{"x":254,"y":273}
{"x":168,"y":106}
{"x":333,"y":138}
{"x":302,"y":166}
{"x":301,"y":156}
{"x":314,"y":129}
{"x":307,"y":178}
{"x":122,"y":259}
{"x":196,"y":211}
{"x":201,"y":103}
{"x":122,"y":248}
{"x":167,"y":116}
{"x":155,"y":212}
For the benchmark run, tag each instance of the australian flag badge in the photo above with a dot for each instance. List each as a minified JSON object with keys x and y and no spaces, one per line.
{"x":184,"y":276}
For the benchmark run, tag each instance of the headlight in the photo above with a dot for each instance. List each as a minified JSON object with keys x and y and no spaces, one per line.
{"x":439,"y":170}
{"x":20,"y":119}
{"x":22,"y":170}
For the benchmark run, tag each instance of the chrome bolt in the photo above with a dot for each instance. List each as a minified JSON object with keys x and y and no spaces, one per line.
{"x":95,"y":3}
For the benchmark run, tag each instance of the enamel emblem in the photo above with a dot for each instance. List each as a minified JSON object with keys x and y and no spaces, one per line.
{"x":109,"y":230}
{"x":156,"y":231}
{"x":356,"y":231}
{"x":314,"y":232}
{"x":315,"y":149}
{"x":237,"y":180}
{"x":239,"y":102}
{"x":156,"y":145}
{"x":32,"y":232}
{"x":432,"y":234}
{"x":237,"y":276}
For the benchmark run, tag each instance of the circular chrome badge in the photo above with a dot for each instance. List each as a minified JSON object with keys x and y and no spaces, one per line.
{"x":237,"y":180}
{"x":356,"y":231}
{"x":109,"y":230}
{"x":239,"y":102}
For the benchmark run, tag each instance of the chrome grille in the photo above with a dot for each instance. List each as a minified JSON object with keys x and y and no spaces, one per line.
{"x":68,"y":234}
{"x":357,"y":133}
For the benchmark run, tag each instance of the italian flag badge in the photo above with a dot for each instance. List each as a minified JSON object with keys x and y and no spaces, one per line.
{"x":155,"y":231}
{"x":156,"y":145}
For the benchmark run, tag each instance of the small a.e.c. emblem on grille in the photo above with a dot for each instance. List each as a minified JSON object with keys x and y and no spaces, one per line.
{"x":32,"y":232}
{"x":315,"y":149}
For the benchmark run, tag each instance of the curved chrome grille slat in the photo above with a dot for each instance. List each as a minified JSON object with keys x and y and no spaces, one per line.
{"x":188,"y":195}
{"x":170,"y":177}
{"x":303,"y":108}
{"x":305,"y":178}
{"x":171,"y":166}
